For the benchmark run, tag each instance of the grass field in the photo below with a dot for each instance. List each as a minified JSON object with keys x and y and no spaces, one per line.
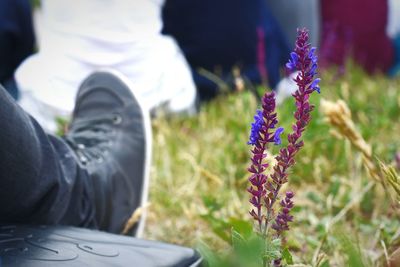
{"x":199,"y":178}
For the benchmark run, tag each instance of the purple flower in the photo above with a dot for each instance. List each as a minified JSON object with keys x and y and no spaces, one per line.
{"x":261,"y":134}
{"x":277,"y":136}
{"x":283,"y":218}
{"x":256,"y":127}
{"x":278,"y":263}
{"x":265,"y":187}
{"x":305,"y":61}
{"x":292,"y":64}
{"x":314,"y":86}
{"x":313,"y":69}
{"x":311,"y":54}
{"x":307,"y":84}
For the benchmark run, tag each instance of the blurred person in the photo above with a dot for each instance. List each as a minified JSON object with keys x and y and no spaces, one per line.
{"x":16,"y":40}
{"x":293,"y":14}
{"x":220,"y":36}
{"x":393,"y":30}
{"x":393,"y":25}
{"x":77,"y":39}
{"x":356,"y":28}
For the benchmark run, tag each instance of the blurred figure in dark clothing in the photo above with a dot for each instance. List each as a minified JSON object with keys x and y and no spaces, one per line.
{"x":218,"y":35}
{"x":16,"y":39}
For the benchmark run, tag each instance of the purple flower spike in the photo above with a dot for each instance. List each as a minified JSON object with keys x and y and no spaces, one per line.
{"x":307,"y":84}
{"x":304,"y":60}
{"x":283,"y":218}
{"x":277,"y":136}
{"x":256,"y":127}
{"x":261,"y":134}
{"x":269,"y":210}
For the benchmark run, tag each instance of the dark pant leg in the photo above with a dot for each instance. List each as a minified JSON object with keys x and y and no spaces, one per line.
{"x":11,"y":87}
{"x":40,"y":180}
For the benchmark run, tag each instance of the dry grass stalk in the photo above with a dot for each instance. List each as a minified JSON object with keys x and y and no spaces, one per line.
{"x":135,"y":217}
{"x":391,"y":177}
{"x":338,"y":115}
{"x":394,"y":260}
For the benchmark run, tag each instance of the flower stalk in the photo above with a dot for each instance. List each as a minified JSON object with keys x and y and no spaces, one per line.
{"x":265,"y":187}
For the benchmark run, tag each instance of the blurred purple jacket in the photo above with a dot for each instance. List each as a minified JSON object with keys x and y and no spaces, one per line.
{"x":356,"y":28}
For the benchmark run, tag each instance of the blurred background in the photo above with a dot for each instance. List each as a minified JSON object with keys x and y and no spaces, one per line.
{"x":52,"y":45}
{"x":200,"y":67}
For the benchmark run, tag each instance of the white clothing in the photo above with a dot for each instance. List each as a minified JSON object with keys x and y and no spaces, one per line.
{"x":393,"y":25}
{"x":286,"y":87}
{"x":78,"y":38}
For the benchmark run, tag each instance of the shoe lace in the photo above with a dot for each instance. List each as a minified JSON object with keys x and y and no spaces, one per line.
{"x":90,"y":137}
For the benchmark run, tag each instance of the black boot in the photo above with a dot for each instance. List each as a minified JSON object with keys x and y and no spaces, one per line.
{"x":111,"y":136}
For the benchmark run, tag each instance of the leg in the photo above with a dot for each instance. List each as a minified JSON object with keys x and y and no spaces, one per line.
{"x":95,"y":177}
{"x":39,"y":176}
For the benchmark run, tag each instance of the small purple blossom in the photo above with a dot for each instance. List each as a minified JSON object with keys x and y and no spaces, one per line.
{"x":277,"y":136}
{"x":293,"y":61}
{"x":311,"y":55}
{"x":278,"y":262}
{"x":256,"y":127}
{"x":283,"y":218}
{"x":314,"y":86}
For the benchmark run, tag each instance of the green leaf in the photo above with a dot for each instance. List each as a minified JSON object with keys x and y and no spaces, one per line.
{"x":334,"y":188}
{"x":238,"y":241}
{"x":211,"y":258}
{"x":287,"y":256}
{"x":325,"y":264}
{"x":211,"y":203}
{"x":273,"y":250}
{"x":247,"y":252}
{"x":218,"y":226}
{"x":314,"y":197}
{"x":244,"y":227}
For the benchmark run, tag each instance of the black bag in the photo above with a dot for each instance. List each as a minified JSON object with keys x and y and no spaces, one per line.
{"x":34,"y":246}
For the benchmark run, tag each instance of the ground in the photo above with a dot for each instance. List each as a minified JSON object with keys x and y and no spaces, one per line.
{"x":199,"y":177}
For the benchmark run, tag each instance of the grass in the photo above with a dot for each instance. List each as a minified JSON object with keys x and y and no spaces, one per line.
{"x":199,"y":176}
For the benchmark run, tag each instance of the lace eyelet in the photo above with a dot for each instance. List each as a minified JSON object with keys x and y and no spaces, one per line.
{"x":81,"y":146}
{"x":117,"y":119}
{"x":84,"y":160}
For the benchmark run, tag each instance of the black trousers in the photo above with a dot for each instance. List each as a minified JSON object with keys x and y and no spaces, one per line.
{"x":41,"y":181}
